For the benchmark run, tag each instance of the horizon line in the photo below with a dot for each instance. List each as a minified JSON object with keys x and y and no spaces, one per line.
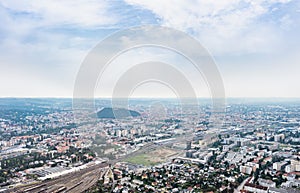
{"x":64,"y":97}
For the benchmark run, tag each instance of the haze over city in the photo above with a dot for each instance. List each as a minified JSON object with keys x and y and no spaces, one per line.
{"x":131,"y":96}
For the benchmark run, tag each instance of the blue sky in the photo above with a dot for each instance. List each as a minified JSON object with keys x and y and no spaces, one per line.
{"x":255,"y":44}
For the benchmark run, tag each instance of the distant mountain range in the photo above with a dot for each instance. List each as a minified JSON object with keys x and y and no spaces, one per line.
{"x":110,"y":113}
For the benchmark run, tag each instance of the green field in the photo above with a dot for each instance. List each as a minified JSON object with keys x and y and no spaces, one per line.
{"x":152,"y":158}
{"x":141,"y":159}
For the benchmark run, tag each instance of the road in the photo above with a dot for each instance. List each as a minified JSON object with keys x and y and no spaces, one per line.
{"x":241,"y":186}
{"x":84,"y":179}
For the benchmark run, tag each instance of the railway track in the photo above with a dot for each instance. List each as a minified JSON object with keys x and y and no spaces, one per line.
{"x":82,"y":180}
{"x":78,"y":181}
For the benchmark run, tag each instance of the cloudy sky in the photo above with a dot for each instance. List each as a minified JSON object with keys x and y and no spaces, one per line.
{"x":255,"y":44}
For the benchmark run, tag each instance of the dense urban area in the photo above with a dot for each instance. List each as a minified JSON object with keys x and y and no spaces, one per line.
{"x":159,"y":148}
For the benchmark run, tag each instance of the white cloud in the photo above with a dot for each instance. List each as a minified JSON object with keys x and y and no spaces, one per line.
{"x":40,"y":69}
{"x":132,"y":58}
{"x":43,"y":43}
{"x":226,"y":26}
{"x":39,"y":58}
{"x":84,"y":13}
{"x":286,"y":22}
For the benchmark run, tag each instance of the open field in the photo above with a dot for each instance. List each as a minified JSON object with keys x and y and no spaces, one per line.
{"x":152,"y":157}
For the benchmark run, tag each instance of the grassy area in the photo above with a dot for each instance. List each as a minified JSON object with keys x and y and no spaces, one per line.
{"x":100,"y":150}
{"x":152,"y":158}
{"x":142,"y":159}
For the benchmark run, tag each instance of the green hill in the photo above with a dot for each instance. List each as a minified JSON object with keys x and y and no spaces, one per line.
{"x":109,"y":113}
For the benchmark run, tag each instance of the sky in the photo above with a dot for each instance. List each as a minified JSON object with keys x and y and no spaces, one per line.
{"x":255,"y":44}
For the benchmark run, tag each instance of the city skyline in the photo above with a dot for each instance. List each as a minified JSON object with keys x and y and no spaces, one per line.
{"x":131,"y":96}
